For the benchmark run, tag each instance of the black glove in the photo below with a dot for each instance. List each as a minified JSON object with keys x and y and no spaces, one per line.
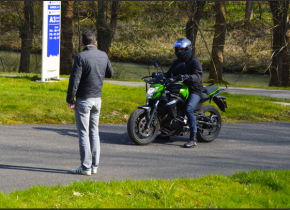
{"x":179,"y":77}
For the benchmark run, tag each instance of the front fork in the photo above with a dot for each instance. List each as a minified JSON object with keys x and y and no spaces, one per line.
{"x":148,"y":115}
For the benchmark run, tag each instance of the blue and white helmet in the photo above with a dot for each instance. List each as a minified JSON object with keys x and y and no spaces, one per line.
{"x":183,"y":43}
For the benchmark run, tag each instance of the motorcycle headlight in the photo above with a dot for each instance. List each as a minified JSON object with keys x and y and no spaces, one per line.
{"x":150,"y":92}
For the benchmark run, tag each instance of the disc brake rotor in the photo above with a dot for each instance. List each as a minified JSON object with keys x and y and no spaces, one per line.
{"x":142,"y":130}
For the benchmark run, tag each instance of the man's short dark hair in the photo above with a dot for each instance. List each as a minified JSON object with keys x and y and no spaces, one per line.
{"x":88,"y":37}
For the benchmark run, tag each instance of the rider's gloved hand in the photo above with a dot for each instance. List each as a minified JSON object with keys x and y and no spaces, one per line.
{"x":179,"y":77}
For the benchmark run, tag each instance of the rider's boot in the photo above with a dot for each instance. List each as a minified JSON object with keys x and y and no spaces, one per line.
{"x":162,"y":136}
{"x":192,"y":141}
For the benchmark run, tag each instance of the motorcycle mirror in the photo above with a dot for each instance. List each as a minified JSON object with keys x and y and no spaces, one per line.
{"x":154,"y":63}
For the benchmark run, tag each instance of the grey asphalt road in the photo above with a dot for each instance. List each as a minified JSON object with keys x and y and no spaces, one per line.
{"x":43,"y":154}
{"x":232,"y":90}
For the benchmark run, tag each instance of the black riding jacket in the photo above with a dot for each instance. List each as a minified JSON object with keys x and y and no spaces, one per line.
{"x":193,"y":69}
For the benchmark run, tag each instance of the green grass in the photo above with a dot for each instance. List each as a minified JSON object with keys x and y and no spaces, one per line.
{"x":251,"y":189}
{"x":24,"y":101}
{"x":249,"y":108}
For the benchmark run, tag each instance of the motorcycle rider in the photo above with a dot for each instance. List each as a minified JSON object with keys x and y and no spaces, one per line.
{"x":192,"y":76}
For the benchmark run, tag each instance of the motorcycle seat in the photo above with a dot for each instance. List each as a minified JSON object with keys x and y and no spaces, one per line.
{"x":208,"y":90}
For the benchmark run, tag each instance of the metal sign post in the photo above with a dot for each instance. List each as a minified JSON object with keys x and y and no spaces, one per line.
{"x":51,"y":40}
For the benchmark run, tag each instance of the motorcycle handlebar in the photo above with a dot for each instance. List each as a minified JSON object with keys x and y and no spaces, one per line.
{"x":170,"y":80}
{"x":173,"y":80}
{"x":150,"y":81}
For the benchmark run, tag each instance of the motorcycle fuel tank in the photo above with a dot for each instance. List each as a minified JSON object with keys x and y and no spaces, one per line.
{"x":179,"y":88}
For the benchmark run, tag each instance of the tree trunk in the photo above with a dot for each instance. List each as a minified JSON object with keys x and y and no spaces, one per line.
{"x":66,"y":47}
{"x":249,"y":10}
{"x":105,"y":31}
{"x":216,"y":67}
{"x":286,"y":64}
{"x":286,"y":53}
{"x":279,"y":69}
{"x":26,"y":35}
{"x":196,"y":12}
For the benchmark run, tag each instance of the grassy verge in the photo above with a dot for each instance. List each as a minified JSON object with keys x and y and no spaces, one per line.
{"x":254,"y":189}
{"x":24,"y":101}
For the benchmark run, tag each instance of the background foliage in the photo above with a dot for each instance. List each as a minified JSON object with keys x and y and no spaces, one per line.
{"x":147,"y":30}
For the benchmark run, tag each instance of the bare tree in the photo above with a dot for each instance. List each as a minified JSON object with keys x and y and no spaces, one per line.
{"x":26,"y":35}
{"x":192,"y":25}
{"x":216,"y":66}
{"x":66,"y":48}
{"x":279,"y":69}
{"x":105,"y":30}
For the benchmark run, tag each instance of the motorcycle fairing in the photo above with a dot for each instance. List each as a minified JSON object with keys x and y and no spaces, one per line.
{"x":157,"y":94}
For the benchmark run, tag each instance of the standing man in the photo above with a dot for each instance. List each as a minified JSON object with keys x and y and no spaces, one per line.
{"x":90,"y":68}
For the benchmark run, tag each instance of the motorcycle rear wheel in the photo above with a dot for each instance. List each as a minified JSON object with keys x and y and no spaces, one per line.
{"x":136,"y":131}
{"x":208,"y":133}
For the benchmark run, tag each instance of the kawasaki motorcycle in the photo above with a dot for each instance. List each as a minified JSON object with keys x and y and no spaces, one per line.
{"x":165,"y":111}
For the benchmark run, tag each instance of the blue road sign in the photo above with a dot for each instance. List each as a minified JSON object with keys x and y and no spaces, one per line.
{"x":53,"y":32}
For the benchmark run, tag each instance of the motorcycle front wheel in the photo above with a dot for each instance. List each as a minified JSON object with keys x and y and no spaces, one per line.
{"x":208,"y":132}
{"x":136,"y":128}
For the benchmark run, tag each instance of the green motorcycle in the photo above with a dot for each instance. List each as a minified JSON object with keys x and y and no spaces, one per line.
{"x":165,"y":111}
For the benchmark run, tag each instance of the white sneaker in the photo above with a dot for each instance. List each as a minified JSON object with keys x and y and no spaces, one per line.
{"x":81,"y":171}
{"x":94,"y":170}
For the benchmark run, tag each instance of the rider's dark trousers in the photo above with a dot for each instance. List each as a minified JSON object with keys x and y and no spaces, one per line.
{"x":192,"y":102}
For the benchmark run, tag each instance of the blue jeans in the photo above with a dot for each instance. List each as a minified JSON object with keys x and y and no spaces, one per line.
{"x":87,"y":122}
{"x":192,"y":102}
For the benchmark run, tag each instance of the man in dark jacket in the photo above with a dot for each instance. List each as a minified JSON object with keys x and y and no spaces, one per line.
{"x":192,"y":76}
{"x":90,"y":68}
